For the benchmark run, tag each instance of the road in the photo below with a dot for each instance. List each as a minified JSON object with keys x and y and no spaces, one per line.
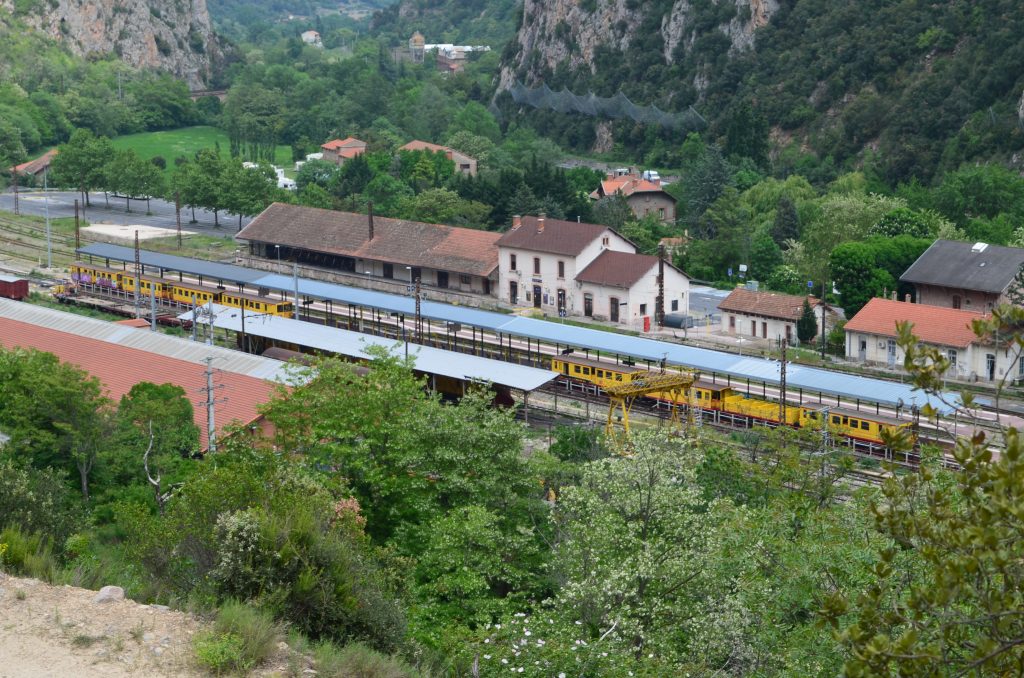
{"x":704,"y":300}
{"x":62,"y":204}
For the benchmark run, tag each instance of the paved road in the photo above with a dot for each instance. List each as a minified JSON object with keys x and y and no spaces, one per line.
{"x":62,"y":204}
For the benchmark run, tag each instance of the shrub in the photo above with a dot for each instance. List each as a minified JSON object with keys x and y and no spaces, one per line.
{"x":35,"y":501}
{"x":27,"y":554}
{"x":256,"y":628}
{"x":220,"y":653}
{"x":355,"y":660}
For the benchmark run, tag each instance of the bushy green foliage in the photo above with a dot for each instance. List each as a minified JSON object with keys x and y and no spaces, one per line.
{"x":36,"y":501}
{"x":357,"y":660}
{"x":242,"y":637}
{"x":27,"y":553}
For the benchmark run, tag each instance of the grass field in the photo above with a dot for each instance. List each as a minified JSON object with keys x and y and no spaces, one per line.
{"x":171,"y":144}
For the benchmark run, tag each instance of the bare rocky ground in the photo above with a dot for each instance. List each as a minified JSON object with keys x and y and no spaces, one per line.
{"x":62,"y":631}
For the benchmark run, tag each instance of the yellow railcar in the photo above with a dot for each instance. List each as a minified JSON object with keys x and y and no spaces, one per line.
{"x":593,"y":371}
{"x":860,"y":425}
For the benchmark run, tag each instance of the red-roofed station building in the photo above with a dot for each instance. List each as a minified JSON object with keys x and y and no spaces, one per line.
{"x":340,"y":150}
{"x":769,"y":315}
{"x":871,"y":338}
{"x":579,"y":269}
{"x":447,"y":258}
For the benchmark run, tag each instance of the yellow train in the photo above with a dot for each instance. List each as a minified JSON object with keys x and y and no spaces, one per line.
{"x":855,"y":424}
{"x":180,"y":292}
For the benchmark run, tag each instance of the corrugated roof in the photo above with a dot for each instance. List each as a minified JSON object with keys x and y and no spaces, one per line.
{"x":707,"y":360}
{"x":617,"y":269}
{"x":557,"y":236}
{"x":932,"y":324}
{"x":966,"y":266}
{"x":408,"y":243}
{"x":766,"y":304}
{"x":437,"y":361}
{"x":10,"y":278}
{"x":121,"y":357}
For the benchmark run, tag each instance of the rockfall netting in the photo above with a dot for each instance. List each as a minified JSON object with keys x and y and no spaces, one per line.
{"x":618,"y":106}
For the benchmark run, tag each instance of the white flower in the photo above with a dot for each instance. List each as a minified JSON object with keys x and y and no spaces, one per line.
{"x":519,"y":670}
{"x":561,"y":675}
{"x":487,"y":656}
{"x":487,"y":640}
{"x":604,"y":654}
{"x":504,"y":661}
{"x":526,"y":632}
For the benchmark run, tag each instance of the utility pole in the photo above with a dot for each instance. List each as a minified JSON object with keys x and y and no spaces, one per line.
{"x":78,"y":233}
{"x":659,"y":304}
{"x":138,"y":278}
{"x":417,"y":326}
{"x":822,"y":319}
{"x":14,"y":177}
{"x":194,"y":316}
{"x":152,"y":308}
{"x":242,"y":339}
{"x":211,"y":402}
{"x":177,"y":214}
{"x":295,"y":281}
{"x":782,"y":383}
{"x":211,"y":317}
{"x":46,"y":209}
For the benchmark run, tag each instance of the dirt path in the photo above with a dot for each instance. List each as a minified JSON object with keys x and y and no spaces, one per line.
{"x":60,"y":631}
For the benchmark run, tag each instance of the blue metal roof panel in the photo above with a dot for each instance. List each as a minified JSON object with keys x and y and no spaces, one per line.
{"x":353,"y":344}
{"x":207,"y":269}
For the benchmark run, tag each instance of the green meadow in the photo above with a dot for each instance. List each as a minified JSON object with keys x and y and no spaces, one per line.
{"x":171,"y":144}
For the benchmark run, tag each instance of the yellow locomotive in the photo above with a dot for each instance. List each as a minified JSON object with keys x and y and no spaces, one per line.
{"x":180,"y":292}
{"x":855,"y":424}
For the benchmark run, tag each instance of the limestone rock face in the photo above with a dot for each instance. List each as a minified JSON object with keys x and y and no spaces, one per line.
{"x":565,"y":33}
{"x":171,"y":35}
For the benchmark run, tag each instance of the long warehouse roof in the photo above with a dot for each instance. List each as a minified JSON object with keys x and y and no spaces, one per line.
{"x":461,"y":366}
{"x":706,"y":360}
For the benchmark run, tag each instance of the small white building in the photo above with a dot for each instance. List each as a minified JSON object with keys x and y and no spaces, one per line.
{"x":871,"y":338}
{"x":578,"y":269}
{"x":769,"y":315}
{"x":312,"y":38}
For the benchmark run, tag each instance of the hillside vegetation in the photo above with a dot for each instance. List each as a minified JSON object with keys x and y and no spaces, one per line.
{"x":926,"y":86}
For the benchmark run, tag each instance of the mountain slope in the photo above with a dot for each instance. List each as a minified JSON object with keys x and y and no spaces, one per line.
{"x":174,"y":36}
{"x":926,"y":85}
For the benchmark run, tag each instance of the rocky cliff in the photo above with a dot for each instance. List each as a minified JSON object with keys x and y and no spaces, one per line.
{"x":567,"y":34}
{"x":171,"y":35}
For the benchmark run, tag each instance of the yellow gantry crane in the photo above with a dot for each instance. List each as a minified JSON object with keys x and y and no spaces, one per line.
{"x":670,"y":386}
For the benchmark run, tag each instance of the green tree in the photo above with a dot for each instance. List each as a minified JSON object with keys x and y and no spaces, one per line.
{"x":442,"y":206}
{"x":746,"y":135}
{"x":787,"y":221}
{"x":81,"y":162}
{"x":247,"y":191}
{"x":807,"y":325}
{"x":765,"y":255}
{"x":132,"y":177}
{"x":319,"y":172}
{"x":856,"y":277}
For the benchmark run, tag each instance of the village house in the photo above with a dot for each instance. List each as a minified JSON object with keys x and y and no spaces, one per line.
{"x":578,"y":269}
{"x":463,"y":163}
{"x":461,"y":260}
{"x":311,"y":38}
{"x":871,"y":338}
{"x":644,"y":197}
{"x":770,"y":315}
{"x":339,"y":151}
{"x":962,"y":275}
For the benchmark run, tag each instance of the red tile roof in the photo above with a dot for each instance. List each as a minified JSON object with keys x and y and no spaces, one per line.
{"x":932,"y":324}
{"x":350,"y":142}
{"x":408,"y":243}
{"x":558,"y":237}
{"x":417,"y":145}
{"x":38,"y":165}
{"x":618,"y":269}
{"x":766,"y":304}
{"x":628,"y":184}
{"x":351,"y":152}
{"x":119,"y":368}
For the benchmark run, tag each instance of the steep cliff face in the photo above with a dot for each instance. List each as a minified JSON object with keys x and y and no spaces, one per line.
{"x":567,"y":34}
{"x":171,"y":35}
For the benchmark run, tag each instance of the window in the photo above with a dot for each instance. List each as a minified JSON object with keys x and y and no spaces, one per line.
{"x":605,"y":241}
{"x":1020,"y":366}
{"x":536,"y":265}
{"x":732,"y":323}
{"x":600,"y":373}
{"x":389,"y":270}
{"x":618,"y":377}
{"x":753,"y":328}
{"x":464,"y":279}
{"x":956,"y":301}
{"x":764,"y":330}
{"x":561,"y":269}
{"x":835,"y":420}
{"x":661,"y":212}
{"x":643,"y":309}
{"x":442,"y":279}
{"x":789,"y":333}
{"x":512,"y":262}
{"x":576,"y":369}
{"x":864,"y":426}
{"x":675,"y":304}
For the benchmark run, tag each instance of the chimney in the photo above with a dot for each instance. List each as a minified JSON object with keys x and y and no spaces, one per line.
{"x":540,"y":222}
{"x":906,"y":298}
{"x":517,"y":221}
{"x":894,"y":295}
{"x":369,"y":218}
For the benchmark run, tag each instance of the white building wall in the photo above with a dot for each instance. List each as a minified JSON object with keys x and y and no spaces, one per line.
{"x":641,"y":299}
{"x":548,"y":279}
{"x":740,"y":325}
{"x":970,"y":364}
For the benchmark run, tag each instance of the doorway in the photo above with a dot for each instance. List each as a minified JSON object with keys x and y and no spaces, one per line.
{"x":536,"y":296}
{"x":613,"y":309}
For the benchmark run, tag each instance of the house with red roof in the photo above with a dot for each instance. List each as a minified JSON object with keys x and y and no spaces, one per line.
{"x":645,"y":197}
{"x":464,"y":164}
{"x":339,"y":151}
{"x":769,"y":315}
{"x":578,"y":269}
{"x":871,"y":338}
{"x":36,"y":167}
